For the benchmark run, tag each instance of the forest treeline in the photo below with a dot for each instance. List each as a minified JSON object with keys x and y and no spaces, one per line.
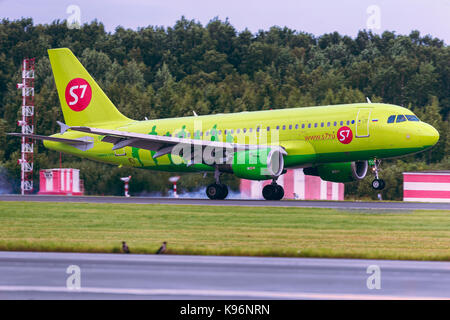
{"x":158,"y":72}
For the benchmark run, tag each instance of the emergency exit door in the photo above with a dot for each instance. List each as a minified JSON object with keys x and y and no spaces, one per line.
{"x":363,"y":122}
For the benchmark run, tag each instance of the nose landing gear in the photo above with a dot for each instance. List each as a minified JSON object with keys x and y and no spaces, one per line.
{"x":273,"y":191}
{"x":377,"y":183}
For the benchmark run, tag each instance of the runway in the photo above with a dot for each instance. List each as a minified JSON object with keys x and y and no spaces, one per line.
{"x":355,"y":205}
{"x":25,"y":275}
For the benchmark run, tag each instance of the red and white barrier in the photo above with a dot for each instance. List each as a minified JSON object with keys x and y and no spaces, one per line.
{"x":296,"y":185}
{"x":426,"y":186}
{"x":60,"y":182}
{"x":126,"y":181}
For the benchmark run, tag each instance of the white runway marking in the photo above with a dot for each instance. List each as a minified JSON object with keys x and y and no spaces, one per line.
{"x":210,"y":293}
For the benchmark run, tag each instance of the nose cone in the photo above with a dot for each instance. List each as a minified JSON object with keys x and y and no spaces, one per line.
{"x":429,"y":136}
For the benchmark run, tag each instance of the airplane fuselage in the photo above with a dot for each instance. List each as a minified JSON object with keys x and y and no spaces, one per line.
{"x":310,"y":135}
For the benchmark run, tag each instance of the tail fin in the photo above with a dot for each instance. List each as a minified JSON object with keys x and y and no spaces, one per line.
{"x":83,"y":102}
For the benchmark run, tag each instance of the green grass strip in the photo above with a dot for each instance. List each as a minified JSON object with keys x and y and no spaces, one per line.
{"x":215,"y":230}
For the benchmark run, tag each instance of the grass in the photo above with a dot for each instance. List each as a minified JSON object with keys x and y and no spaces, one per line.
{"x":215,"y":230}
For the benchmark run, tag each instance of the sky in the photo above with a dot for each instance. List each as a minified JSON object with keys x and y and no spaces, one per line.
{"x":312,"y":16}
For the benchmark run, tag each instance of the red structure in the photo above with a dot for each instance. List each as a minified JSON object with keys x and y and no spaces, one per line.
{"x":174,"y":182}
{"x":126,"y":181}
{"x":428,"y":186}
{"x":27,"y":124}
{"x":296,"y":185}
{"x":61,"y":182}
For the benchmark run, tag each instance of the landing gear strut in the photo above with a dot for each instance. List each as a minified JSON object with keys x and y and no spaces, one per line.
{"x":377,"y":183}
{"x":217,"y":191}
{"x":273,"y":191}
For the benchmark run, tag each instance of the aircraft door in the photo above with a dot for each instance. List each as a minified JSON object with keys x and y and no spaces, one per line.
{"x":363,"y":123}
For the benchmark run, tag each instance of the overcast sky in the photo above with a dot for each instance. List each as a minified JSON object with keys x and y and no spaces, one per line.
{"x":314,"y":16}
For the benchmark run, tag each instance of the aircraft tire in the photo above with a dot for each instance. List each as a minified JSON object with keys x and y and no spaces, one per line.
{"x":279,"y":192}
{"x":217,"y":191}
{"x":224,"y":191}
{"x":273,"y":192}
{"x":378,"y":184}
{"x":268,"y":192}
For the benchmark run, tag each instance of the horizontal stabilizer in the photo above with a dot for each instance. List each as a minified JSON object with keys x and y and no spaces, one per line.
{"x":83,"y":144}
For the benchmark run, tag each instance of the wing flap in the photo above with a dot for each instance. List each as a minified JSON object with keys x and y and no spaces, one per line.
{"x":161,"y":144}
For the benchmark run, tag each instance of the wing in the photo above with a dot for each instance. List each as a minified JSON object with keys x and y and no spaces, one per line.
{"x":161,"y":144}
{"x":83,"y":144}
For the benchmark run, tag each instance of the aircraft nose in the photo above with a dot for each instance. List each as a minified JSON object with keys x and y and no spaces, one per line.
{"x":430,"y":136}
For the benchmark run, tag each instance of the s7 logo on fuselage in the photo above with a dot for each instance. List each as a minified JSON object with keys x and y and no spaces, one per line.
{"x":345,"y":135}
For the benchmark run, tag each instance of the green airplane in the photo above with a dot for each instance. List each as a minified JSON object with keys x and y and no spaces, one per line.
{"x":337,"y":143}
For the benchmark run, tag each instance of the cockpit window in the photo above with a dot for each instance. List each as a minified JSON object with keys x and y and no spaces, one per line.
{"x":401,"y":118}
{"x":412,"y":118}
{"x":391,"y":119}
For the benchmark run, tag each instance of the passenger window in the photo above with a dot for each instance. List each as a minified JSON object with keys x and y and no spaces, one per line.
{"x":348,"y":122}
{"x":303,"y":126}
{"x":335,"y":123}
{"x":391,"y":119}
{"x":296,"y":126}
{"x":342,"y":123}
{"x":250,"y":130}
{"x":322,"y":124}
{"x":401,"y":118}
{"x":315,"y":125}
{"x":268,"y":128}
{"x":412,"y":118}
{"x":245,"y":130}
{"x":328,"y":124}
{"x":290,"y":127}
{"x":278,"y":127}
{"x":238,"y":130}
{"x":309,"y":125}
{"x":353,"y":121}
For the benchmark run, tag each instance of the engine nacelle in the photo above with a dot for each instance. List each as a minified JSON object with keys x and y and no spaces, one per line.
{"x":339,"y":172}
{"x":258,"y":164}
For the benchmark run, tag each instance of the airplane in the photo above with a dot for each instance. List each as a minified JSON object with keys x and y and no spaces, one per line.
{"x":337,"y":143}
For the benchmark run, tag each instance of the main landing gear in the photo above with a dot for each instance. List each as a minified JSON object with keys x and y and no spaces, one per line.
{"x":377,"y":183}
{"x":217,"y":191}
{"x":273,"y":191}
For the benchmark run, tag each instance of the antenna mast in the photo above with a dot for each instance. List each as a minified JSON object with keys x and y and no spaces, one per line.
{"x":27,"y":124}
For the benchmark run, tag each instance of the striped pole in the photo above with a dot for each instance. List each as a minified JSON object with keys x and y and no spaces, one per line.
{"x":126,"y":181}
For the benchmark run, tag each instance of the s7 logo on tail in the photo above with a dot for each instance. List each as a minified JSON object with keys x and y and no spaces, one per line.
{"x":78,"y":94}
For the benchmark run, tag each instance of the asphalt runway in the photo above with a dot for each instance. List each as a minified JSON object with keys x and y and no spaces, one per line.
{"x":355,"y":205}
{"x":33,"y":275}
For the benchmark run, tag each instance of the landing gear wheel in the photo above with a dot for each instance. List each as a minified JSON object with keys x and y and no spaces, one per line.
{"x":378,"y":184}
{"x":268,"y":192}
{"x":279,"y":192}
{"x":217,"y":191}
{"x":273,"y":192}
{"x":224,"y":191}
